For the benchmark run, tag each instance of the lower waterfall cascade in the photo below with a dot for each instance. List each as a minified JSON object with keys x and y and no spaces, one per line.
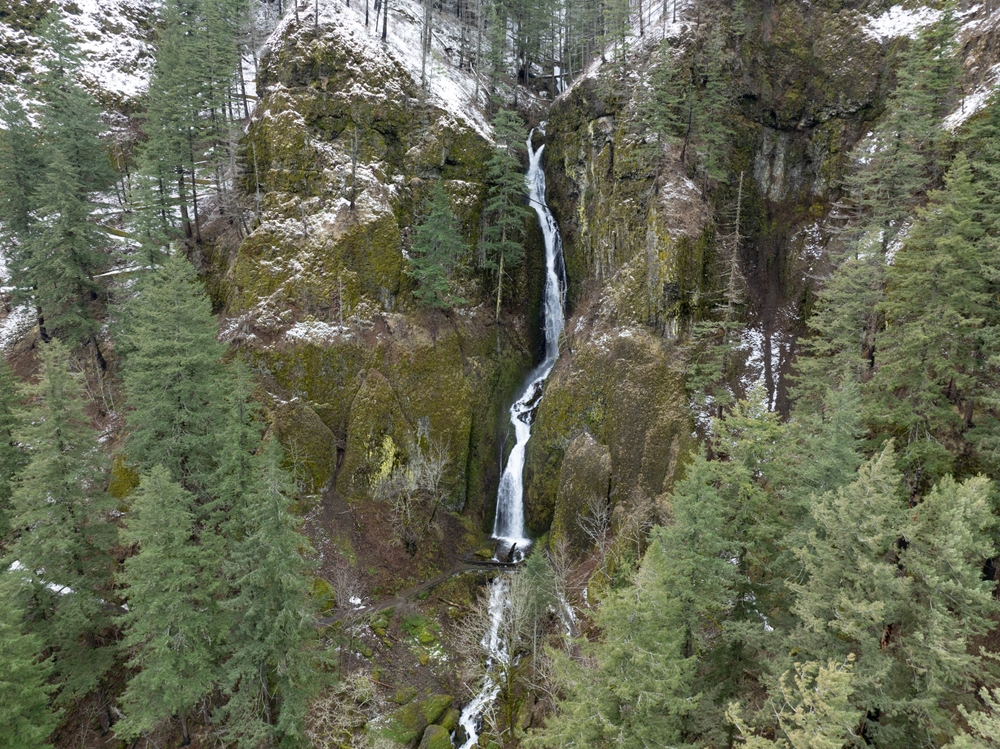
{"x":508,"y":527}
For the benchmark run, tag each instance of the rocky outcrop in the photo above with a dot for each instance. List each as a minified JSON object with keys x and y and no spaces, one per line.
{"x":341,"y":154}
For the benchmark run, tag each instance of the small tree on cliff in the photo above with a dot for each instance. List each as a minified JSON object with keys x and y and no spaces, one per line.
{"x":437,"y":247}
{"x":501,"y":248}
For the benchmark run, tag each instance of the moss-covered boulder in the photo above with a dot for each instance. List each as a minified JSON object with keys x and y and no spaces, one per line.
{"x":378,"y":435}
{"x":584,"y":484}
{"x":408,"y":724}
{"x":435,"y":737}
{"x":310,"y":445}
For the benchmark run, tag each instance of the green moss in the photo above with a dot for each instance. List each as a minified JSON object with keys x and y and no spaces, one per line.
{"x":310,"y":446}
{"x":644,"y":421}
{"x":435,"y":737}
{"x":124,"y":479}
{"x":323,"y":595}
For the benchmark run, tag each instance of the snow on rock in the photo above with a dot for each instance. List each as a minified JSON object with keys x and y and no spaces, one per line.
{"x":448,"y":87}
{"x":900,"y":21}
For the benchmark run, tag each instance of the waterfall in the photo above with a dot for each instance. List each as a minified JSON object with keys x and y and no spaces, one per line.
{"x":509,"y":524}
{"x":508,"y":527}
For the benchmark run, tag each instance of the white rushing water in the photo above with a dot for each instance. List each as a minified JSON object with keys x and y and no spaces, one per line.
{"x":508,"y":527}
{"x":509,"y":523}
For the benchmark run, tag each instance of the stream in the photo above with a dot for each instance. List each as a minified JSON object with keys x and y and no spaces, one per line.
{"x":508,"y":528}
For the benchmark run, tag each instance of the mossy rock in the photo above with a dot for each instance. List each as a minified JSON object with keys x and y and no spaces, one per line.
{"x":310,"y":445}
{"x":618,"y":386}
{"x":377,"y":437}
{"x":584,"y":485}
{"x":449,"y":721}
{"x":323,"y":595}
{"x":434,"y":707}
{"x":436,"y":737}
{"x":407,"y":724}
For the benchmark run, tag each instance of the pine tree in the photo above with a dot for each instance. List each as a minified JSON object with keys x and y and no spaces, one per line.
{"x":174,"y":627}
{"x":24,"y":674}
{"x":174,"y":376}
{"x":501,"y":249}
{"x":436,"y":251}
{"x":269,"y":676}
{"x":63,"y":532}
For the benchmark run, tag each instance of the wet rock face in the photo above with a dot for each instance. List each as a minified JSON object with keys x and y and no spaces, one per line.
{"x":614,"y":401}
{"x":582,"y":497}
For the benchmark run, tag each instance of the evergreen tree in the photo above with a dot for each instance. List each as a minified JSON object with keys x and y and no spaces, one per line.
{"x":636,"y":690}
{"x":501,"y":249}
{"x":174,"y":376}
{"x":661,"y":114}
{"x":24,"y":674}
{"x":813,"y":709}
{"x":436,"y":251}
{"x":897,"y":588}
{"x":11,"y":455}
{"x":63,"y":534}
{"x":984,"y":725}
{"x":174,"y":626}
{"x":269,"y":677}
{"x":935,"y":384}
{"x":844,"y":327}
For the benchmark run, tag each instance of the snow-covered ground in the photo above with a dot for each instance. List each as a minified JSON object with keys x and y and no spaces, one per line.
{"x":114,"y":35}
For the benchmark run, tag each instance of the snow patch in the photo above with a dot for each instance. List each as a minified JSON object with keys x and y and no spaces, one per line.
{"x":900,"y":21}
{"x":974,"y":102}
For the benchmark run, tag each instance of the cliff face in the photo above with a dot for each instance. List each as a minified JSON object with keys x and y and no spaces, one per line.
{"x":341,"y":154}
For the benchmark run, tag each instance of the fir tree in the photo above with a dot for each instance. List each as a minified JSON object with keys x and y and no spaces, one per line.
{"x":269,"y":676}
{"x":437,"y":248}
{"x":174,"y":376}
{"x":63,"y":533}
{"x":813,"y":709}
{"x":896,"y":588}
{"x":501,"y":249}
{"x":24,"y":674}
{"x":174,"y":626}
{"x":636,"y":690}
{"x":935,"y":385}
{"x":11,"y":455}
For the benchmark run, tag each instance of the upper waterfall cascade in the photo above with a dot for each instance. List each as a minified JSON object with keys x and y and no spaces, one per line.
{"x":509,"y":525}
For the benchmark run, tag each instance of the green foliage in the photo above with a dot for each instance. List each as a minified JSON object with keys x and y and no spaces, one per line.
{"x":984,"y":724}
{"x":270,"y":670}
{"x":636,"y":688}
{"x":814,"y":711}
{"x":505,"y":213}
{"x":174,"y":376}
{"x":935,"y":384}
{"x":11,"y":455}
{"x":897,"y":587}
{"x":174,"y":626}
{"x":436,"y":251}
{"x":24,"y":674}
{"x":63,"y":533}
{"x":49,"y":182}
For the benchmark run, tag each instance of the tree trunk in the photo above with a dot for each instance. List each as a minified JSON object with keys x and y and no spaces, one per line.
{"x":499,"y":286}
